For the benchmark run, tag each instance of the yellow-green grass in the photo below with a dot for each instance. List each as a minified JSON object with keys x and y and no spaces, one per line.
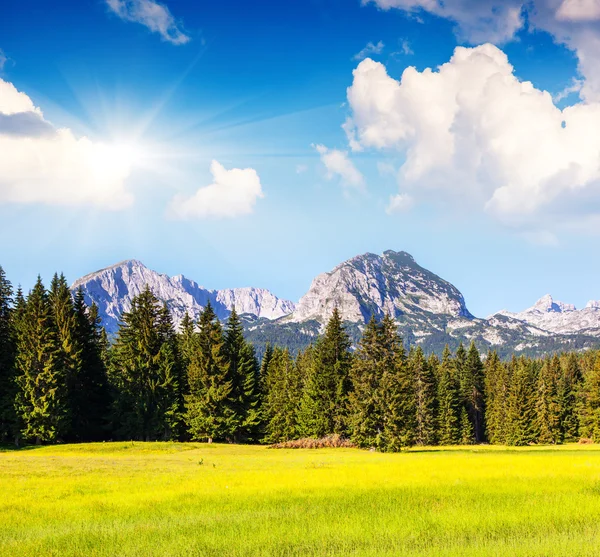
{"x":221,"y":500}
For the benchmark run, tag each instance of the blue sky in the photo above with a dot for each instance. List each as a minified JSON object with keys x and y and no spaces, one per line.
{"x":262,"y":87}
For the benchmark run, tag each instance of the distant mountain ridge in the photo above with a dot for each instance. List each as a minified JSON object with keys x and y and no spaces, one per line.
{"x":429,"y":310}
{"x":113,"y":288}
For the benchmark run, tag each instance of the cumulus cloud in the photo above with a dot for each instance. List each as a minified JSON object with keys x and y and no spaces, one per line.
{"x":473,"y":129}
{"x":337,"y":163}
{"x":152,"y":15}
{"x":233,"y":193}
{"x":369,"y":50}
{"x":570,"y":22}
{"x":40,"y":163}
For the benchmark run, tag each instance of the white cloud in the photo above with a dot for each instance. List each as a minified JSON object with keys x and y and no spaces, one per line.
{"x":301,"y":169}
{"x":570,"y":22}
{"x":369,"y":50}
{"x":3,"y":59}
{"x":477,"y":20}
{"x":579,"y":10}
{"x":337,"y":163}
{"x":233,"y":193}
{"x":40,"y":163}
{"x":153,"y":15}
{"x":399,"y":203}
{"x":472,"y":129}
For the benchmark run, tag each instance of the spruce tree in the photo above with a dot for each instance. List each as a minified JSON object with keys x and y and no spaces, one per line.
{"x":90,"y":400}
{"x":283,"y":388}
{"x":473,"y":391}
{"x":521,"y":404}
{"x":7,"y":360}
{"x":449,"y":401}
{"x":498,"y":378}
{"x":425,"y":398}
{"x":243,"y":373}
{"x":209,"y":413}
{"x":325,"y":396}
{"x":569,"y":388}
{"x":590,"y":403}
{"x":366,"y":416}
{"x":42,"y":396}
{"x":548,"y":407}
{"x":396,"y":396}
{"x":144,"y":372}
{"x":71,"y":352}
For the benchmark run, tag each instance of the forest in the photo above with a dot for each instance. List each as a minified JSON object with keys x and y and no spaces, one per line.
{"x":62,"y":380}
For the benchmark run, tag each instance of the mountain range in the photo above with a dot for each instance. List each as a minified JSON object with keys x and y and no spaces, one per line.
{"x":429,"y":311}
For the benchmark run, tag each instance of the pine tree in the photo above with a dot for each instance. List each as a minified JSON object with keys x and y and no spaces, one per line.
{"x":569,"y":388}
{"x":71,"y":352}
{"x":521,"y":404}
{"x":325,"y":397}
{"x":449,"y":401}
{"x":209,"y":412}
{"x":283,"y":388}
{"x":42,"y":397}
{"x":473,"y":391}
{"x":548,"y":407}
{"x":425,"y":398}
{"x":590,"y":403}
{"x":244,"y":376}
{"x":497,"y":378}
{"x":396,"y":396}
{"x":144,"y":372}
{"x":90,"y":400}
{"x":366,"y":417}
{"x":7,"y":360}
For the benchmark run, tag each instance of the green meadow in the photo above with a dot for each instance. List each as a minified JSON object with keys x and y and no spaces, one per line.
{"x":216,"y":500}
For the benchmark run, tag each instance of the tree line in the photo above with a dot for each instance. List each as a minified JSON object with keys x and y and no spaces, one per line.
{"x":61,"y":380}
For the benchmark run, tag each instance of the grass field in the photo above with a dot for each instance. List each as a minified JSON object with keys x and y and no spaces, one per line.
{"x":221,"y":500}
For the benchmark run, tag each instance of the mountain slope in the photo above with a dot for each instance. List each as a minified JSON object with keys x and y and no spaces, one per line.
{"x":561,"y":318}
{"x":113,"y":288}
{"x":372,"y":284}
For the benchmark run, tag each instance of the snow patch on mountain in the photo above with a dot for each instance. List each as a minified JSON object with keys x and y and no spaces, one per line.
{"x":557,"y":317}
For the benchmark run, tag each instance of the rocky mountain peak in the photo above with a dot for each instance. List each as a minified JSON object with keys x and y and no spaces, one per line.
{"x":371,"y":284}
{"x":113,"y":288}
{"x":546,"y":304}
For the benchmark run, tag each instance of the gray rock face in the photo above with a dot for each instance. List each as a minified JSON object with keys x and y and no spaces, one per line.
{"x":113,"y":288}
{"x":557,"y":317}
{"x":372,"y":284}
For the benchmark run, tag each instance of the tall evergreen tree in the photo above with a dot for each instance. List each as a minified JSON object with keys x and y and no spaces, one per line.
{"x":590,"y":403}
{"x":366,"y":417}
{"x":569,"y":387}
{"x":209,"y":412}
{"x":243,"y":371}
{"x":449,"y":401}
{"x":548,"y":407}
{"x":144,"y":372}
{"x":425,"y":398}
{"x":521,"y":404}
{"x":42,"y":396}
{"x":497,"y":381}
{"x":71,"y":351}
{"x":324,"y":401}
{"x":89,"y":398}
{"x":7,"y":360}
{"x":473,"y":392}
{"x":283,"y":387}
{"x":396,"y":394}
